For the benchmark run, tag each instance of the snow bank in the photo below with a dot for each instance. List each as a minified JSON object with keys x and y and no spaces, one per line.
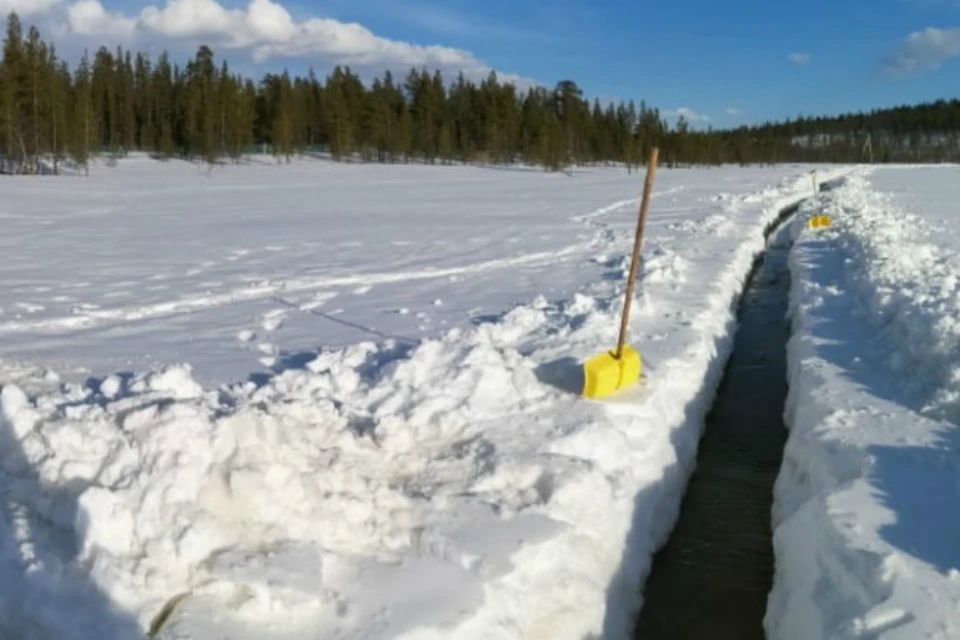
{"x":867,"y":502}
{"x":454,"y":488}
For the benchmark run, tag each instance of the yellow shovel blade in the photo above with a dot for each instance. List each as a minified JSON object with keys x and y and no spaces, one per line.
{"x":603,"y":374}
{"x":819,"y":220}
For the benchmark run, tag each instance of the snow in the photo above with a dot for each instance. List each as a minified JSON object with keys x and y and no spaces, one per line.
{"x":427,"y":474}
{"x":867,"y":501}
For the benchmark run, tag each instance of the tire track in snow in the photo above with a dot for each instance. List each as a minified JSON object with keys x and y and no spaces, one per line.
{"x":192,"y":304}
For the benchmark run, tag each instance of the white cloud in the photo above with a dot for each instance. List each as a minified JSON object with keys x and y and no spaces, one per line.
{"x":733,"y":111}
{"x":689,"y":114}
{"x":264,"y":30}
{"x":191,"y":19}
{"x":799,"y":57}
{"x":924,"y":50}
{"x":439,"y":17}
{"x":89,"y":18}
{"x":25,"y":8}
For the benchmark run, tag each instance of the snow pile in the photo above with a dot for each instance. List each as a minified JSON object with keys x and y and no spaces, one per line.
{"x":867,"y":502}
{"x":910,"y":287}
{"x":457,"y":487}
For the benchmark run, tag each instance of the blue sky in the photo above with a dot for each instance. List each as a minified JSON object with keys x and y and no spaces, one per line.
{"x":721,"y":63}
{"x":710,"y":56}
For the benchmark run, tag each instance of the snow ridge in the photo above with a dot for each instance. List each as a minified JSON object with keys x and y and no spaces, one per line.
{"x":909,"y":290}
{"x":866,"y":501}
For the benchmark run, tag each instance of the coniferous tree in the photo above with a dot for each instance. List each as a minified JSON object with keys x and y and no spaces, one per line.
{"x":122,"y":100}
{"x":12,"y":76}
{"x":57,"y":93}
{"x":82,"y":115}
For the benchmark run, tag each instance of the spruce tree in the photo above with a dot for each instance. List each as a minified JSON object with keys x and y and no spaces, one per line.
{"x":82,"y":115}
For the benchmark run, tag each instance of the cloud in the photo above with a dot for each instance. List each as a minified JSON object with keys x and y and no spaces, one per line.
{"x":26,"y":8}
{"x":440,"y":18}
{"x":799,"y":58}
{"x":687,"y":113}
{"x":264,"y":30}
{"x":924,"y":51}
{"x":194,"y":19}
{"x":89,"y":18}
{"x":733,"y":111}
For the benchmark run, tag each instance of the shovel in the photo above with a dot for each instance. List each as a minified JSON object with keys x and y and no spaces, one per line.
{"x":612,"y":370}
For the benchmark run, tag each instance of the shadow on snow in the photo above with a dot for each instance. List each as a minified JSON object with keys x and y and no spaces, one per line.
{"x":45,"y":590}
{"x":917,"y":483}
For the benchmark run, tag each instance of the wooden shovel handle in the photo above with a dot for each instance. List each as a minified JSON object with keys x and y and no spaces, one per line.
{"x":632,"y":278}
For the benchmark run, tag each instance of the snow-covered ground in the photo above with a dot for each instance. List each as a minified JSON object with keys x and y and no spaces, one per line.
{"x":255,"y":267}
{"x":381,"y":435}
{"x":868,"y":500}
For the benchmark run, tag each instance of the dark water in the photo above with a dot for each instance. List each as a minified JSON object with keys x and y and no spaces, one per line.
{"x":712,"y":578}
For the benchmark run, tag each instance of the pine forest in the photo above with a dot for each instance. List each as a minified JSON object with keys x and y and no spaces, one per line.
{"x":116,"y":101}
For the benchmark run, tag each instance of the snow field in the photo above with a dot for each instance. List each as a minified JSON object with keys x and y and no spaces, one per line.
{"x":259,"y":262}
{"x":866,"y":513}
{"x":453,"y":486}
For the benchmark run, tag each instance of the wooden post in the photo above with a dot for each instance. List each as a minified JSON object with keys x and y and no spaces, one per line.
{"x":632,"y":278}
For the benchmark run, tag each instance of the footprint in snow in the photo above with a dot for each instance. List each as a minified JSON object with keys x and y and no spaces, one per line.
{"x":318,"y":301}
{"x":269,"y":352}
{"x":359,"y":291}
{"x":267,"y":348}
{"x":273,"y":320}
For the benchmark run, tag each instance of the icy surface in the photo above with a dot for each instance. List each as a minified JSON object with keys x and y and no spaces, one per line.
{"x":867,"y":508}
{"x":408,"y":479}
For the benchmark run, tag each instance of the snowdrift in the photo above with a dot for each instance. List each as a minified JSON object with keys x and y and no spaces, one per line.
{"x":867,"y":502}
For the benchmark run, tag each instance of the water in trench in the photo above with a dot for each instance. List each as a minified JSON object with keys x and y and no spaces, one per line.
{"x":712,"y":578}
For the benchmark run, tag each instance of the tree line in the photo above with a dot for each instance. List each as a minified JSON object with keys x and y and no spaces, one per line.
{"x":118,"y":101}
